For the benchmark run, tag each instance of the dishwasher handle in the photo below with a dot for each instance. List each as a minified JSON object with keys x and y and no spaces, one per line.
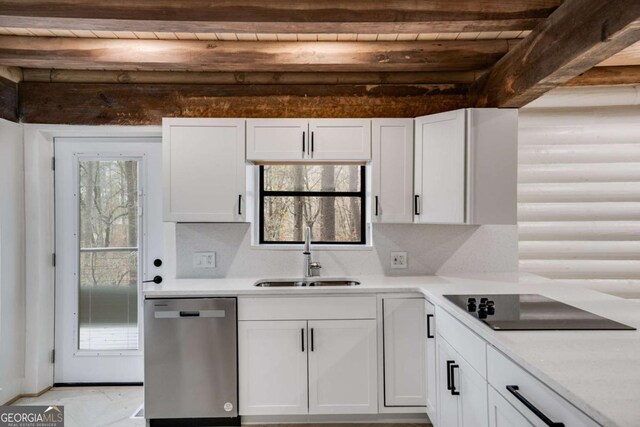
{"x":169,"y":314}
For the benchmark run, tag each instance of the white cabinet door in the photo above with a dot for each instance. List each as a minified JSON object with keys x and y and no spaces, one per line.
{"x":502,"y":414}
{"x":342,"y":367}
{"x":430,"y":361}
{"x":392,"y":167}
{"x":404,"y":352}
{"x":462,"y":392}
{"x":204,"y":170}
{"x":272,"y":367}
{"x":340,"y":139}
{"x":277,"y":139}
{"x":440,"y":165}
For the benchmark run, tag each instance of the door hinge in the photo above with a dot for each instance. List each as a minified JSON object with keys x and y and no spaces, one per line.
{"x":53,"y":355}
{"x":53,"y":163}
{"x":53,"y":259}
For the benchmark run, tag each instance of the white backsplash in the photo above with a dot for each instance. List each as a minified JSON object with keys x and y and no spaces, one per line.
{"x":431,"y":249}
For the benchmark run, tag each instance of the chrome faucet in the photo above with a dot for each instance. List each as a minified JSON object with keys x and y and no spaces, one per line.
{"x":310,"y":268}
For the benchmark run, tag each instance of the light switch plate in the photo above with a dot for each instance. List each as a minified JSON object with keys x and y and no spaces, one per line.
{"x":398,"y":260}
{"x":204,"y":260}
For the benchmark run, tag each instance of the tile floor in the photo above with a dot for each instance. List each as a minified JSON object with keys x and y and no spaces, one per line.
{"x":114,"y":407}
{"x":94,"y":407}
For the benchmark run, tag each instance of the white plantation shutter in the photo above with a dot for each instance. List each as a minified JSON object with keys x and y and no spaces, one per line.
{"x":579,"y":195}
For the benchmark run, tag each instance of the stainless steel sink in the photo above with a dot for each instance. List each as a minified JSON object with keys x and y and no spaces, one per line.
{"x":279,"y":283}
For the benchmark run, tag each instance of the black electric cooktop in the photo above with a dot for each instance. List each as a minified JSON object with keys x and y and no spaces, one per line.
{"x":530,"y":312}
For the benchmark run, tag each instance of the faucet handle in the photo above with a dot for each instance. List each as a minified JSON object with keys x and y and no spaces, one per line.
{"x":315,"y":267}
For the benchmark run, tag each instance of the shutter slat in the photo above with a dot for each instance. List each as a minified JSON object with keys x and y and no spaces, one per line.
{"x":594,"y":211}
{"x":578,"y":230}
{"x":580,"y":250}
{"x":587,"y":153}
{"x":582,"y":269}
{"x":579,"y":192}
{"x":588,"y":172}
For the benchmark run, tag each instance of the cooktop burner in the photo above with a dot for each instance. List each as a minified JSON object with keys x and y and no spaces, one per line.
{"x":531,"y":312}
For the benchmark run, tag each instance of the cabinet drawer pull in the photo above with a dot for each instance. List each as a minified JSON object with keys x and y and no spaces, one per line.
{"x":376,"y":205}
{"x":416,"y":201}
{"x":449,"y":363}
{"x":312,"y":346}
{"x":429,"y":334}
{"x":513,"y":389}
{"x":239,"y":204}
{"x":312,"y":144}
{"x":454,"y":392}
{"x":302,"y":338}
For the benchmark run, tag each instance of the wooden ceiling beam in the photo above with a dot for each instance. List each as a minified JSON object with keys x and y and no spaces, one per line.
{"x":577,"y":36}
{"x":278,"y":16}
{"x":252,"y":78}
{"x":607,"y":76}
{"x":188,"y":55}
{"x":8,"y":100}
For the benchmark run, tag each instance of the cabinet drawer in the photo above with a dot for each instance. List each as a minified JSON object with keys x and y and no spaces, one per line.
{"x":470,"y":346}
{"x":310,"y":308}
{"x":503,"y":372}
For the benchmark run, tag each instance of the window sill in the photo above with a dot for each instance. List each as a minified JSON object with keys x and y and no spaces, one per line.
{"x":314,"y":248}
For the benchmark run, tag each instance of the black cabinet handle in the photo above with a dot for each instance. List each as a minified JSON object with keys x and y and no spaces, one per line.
{"x":312,"y":346}
{"x":449,"y":363}
{"x":376,"y":205}
{"x":454,"y":392}
{"x":312,"y":143}
{"x":513,"y":389}
{"x":416,"y":202}
{"x":429,"y":334}
{"x":157,"y":280}
{"x":302,"y":339}
{"x":303,"y":143}
{"x":239,"y":204}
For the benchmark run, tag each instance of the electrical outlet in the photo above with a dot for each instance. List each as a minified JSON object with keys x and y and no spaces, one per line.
{"x":398,"y":260}
{"x":204,"y":260}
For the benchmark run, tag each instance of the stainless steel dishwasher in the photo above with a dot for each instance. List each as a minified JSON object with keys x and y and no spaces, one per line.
{"x":190,"y":361}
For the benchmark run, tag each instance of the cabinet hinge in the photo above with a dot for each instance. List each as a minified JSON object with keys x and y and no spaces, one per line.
{"x":53,"y":259}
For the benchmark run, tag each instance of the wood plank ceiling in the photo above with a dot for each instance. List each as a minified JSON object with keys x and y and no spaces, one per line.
{"x":133,"y":62}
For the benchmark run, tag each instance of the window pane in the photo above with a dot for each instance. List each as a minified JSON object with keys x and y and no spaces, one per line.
{"x":332,"y":219}
{"x":312,"y":178}
{"x":108,"y":267}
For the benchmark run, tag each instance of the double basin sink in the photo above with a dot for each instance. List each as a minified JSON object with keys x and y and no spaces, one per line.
{"x":310,"y":281}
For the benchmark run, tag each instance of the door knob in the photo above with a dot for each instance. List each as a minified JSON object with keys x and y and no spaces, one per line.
{"x":157,"y":262}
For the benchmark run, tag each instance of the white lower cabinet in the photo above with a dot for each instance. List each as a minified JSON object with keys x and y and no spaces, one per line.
{"x":342,"y":367}
{"x":404,"y":352}
{"x":462,"y":391}
{"x":272,"y":367}
{"x":430,"y":362}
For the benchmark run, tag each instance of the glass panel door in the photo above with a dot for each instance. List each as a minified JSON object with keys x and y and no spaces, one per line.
{"x":109,"y":261}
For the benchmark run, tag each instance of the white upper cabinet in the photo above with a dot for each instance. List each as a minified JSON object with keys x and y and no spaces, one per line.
{"x":204,"y":170}
{"x":392,"y":170}
{"x":404,"y":352}
{"x":340,"y":139}
{"x":277,"y":139}
{"x":308,"y":140}
{"x":466,"y":167}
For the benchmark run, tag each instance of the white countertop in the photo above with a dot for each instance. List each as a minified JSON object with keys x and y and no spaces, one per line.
{"x":597,"y":371}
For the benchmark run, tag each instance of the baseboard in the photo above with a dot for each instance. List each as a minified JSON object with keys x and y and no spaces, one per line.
{"x":24,"y":395}
{"x":337,"y":419}
{"x":96,"y":384}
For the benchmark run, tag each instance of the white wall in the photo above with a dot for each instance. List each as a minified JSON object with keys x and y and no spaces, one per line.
{"x":12,"y":265}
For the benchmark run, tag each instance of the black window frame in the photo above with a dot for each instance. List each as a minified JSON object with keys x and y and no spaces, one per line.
{"x":362,"y":194}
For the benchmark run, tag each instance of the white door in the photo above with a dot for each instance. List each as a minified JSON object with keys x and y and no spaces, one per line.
{"x":272,"y":367}
{"x":342,"y":367}
{"x":277,"y":139}
{"x":204,"y":170}
{"x":392,"y":166}
{"x":108,"y":234}
{"x":340,"y":139}
{"x":440,"y":165}
{"x":431,"y":371}
{"x":502,"y":414}
{"x":404,"y":352}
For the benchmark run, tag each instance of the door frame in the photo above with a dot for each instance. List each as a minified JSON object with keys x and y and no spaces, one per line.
{"x":40,"y":244}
